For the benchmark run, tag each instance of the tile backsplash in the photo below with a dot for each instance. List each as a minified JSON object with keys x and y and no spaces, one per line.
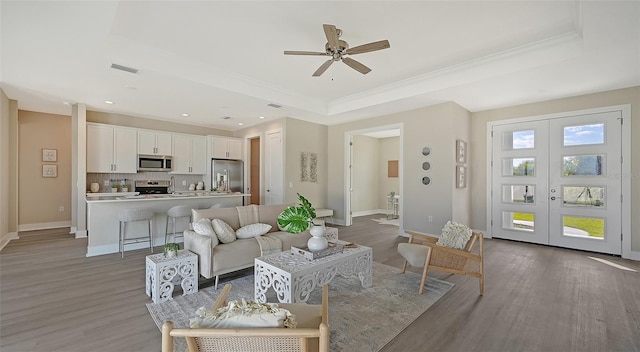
{"x":101,"y":178}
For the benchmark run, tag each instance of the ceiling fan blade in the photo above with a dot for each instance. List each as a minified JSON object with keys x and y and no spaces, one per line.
{"x":365,"y":48}
{"x":332,"y":35}
{"x":356,"y":65}
{"x":322,"y":68}
{"x":288,"y":52}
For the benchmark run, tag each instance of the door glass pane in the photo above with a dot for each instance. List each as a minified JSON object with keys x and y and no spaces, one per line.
{"x":583,"y":227}
{"x":518,"y":140}
{"x":582,"y":165}
{"x":584,"y":134}
{"x":583,"y":196}
{"x":518,"y":166}
{"x":518,"y":193}
{"x":518,"y":221}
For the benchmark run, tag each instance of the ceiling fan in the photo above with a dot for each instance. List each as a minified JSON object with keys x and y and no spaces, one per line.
{"x":338,"y":49}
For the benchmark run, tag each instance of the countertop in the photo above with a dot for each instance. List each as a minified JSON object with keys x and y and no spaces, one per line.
{"x":132,"y":197}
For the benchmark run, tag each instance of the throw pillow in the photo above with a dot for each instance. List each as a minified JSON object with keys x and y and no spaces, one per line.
{"x":203,"y":227}
{"x":454,"y":235}
{"x":253,"y":230}
{"x":244,"y":314}
{"x":225,"y":233}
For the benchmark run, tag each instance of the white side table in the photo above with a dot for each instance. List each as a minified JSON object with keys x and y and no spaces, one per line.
{"x":164,"y":273}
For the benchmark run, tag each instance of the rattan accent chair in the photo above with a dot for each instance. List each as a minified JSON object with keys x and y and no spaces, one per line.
{"x":312,"y":333}
{"x":422,"y":251}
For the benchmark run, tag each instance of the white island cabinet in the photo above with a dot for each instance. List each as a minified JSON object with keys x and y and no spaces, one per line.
{"x":102,"y":217}
{"x":111,"y":149}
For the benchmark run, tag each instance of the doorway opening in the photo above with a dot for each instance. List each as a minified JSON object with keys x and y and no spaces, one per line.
{"x":373,"y":173}
{"x":254,"y":170}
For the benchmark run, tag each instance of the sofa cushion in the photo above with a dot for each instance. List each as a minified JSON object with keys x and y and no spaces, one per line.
{"x":204,"y":227}
{"x":454,"y":235}
{"x":268,"y":214}
{"x":225,"y":233}
{"x":253,"y":230}
{"x":228,"y":215}
{"x":234,"y":256}
{"x":291,"y":239}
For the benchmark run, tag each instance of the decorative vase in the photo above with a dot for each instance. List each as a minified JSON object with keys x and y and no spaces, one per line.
{"x":317,"y":242}
{"x":95,"y":187}
{"x":172,"y":254}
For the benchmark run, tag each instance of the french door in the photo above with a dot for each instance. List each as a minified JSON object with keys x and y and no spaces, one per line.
{"x":558,"y":182}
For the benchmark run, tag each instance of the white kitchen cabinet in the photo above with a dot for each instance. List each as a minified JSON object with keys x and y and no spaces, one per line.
{"x":111,"y":149}
{"x":226,"y":148}
{"x":154,"y":143}
{"x":189,"y":154}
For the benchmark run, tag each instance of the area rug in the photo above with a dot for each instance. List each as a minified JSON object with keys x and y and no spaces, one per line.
{"x":360,"y":319}
{"x":385,"y":221}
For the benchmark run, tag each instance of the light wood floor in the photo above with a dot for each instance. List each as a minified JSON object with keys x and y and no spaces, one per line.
{"x":537,"y":298}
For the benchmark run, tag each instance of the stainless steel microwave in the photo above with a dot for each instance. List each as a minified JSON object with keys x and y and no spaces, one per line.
{"x":154,"y":163}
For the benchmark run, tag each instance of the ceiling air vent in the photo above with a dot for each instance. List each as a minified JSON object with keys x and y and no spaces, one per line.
{"x":274,"y":105}
{"x":124,"y":68}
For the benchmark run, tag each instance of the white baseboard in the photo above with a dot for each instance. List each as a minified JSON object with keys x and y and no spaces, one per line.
{"x":73,"y":230}
{"x":7,"y":238}
{"x":80,"y":234}
{"x":368,"y":212}
{"x":634,"y":255}
{"x":44,"y":225}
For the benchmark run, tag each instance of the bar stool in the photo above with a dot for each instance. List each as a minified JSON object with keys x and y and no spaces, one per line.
{"x":179,"y":211}
{"x":131,"y":215}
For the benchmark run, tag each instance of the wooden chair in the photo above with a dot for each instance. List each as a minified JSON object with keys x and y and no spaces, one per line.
{"x":311,"y":334}
{"x":422,"y":251}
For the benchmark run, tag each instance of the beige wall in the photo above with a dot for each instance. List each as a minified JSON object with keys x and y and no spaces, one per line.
{"x":389,"y":150}
{"x":41,"y":197}
{"x":366,"y":175}
{"x":480,"y":119}
{"x":139,"y":122}
{"x":432,"y":126}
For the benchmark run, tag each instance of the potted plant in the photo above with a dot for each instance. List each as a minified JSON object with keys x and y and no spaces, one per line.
{"x":298,"y":218}
{"x":171,"y":249}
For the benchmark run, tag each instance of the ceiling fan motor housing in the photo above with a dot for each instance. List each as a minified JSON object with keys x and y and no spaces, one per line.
{"x":342,"y":47}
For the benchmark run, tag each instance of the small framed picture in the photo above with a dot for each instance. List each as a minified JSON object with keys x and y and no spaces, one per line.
{"x":461,"y":176}
{"x":49,"y":170}
{"x":461,"y":151}
{"x":49,"y":155}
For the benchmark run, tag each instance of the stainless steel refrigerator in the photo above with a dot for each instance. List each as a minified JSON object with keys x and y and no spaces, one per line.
{"x":227,"y":175}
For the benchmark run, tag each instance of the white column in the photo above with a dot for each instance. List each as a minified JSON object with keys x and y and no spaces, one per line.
{"x":79,"y":170}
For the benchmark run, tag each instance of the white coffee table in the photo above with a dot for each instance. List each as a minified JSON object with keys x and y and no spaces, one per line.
{"x":294,"y":277}
{"x":164,"y":273}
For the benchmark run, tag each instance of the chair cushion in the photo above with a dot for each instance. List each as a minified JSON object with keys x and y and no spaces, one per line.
{"x":454,"y":235}
{"x":244,"y":314}
{"x":252,"y":230}
{"x":415,"y":254}
{"x":225,"y":233}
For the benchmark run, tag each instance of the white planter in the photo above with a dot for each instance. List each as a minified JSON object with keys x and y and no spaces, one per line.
{"x":171,"y":254}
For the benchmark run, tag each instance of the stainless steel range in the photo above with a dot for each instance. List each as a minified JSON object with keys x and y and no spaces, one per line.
{"x":152,"y":186}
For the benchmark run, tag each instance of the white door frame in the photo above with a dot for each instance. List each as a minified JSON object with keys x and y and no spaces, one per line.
{"x":625,"y":214}
{"x":348,"y":137}
{"x":264,"y":194}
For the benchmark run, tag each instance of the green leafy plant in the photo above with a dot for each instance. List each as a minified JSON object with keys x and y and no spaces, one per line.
{"x":297,"y":218}
{"x":170,"y":247}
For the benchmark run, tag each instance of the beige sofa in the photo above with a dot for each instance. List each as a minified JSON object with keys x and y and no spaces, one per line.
{"x":215,"y":260}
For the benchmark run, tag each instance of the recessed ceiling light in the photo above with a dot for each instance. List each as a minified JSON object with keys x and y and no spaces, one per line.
{"x":131,"y":87}
{"x":66,"y":103}
{"x":261,"y":117}
{"x":185,"y":115}
{"x":108,"y":102}
{"x":240,"y":124}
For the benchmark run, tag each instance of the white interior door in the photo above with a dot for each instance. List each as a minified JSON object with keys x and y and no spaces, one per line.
{"x":585,"y":182}
{"x":558,"y":182}
{"x":274,"y":179}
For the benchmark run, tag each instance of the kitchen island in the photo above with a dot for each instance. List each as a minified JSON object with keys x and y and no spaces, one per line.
{"x":102,"y":216}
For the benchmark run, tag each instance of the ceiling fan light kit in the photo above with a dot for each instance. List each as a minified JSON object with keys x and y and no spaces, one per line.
{"x":339,"y":49}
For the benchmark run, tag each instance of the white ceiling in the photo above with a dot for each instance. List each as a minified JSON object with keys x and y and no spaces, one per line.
{"x":212,"y":59}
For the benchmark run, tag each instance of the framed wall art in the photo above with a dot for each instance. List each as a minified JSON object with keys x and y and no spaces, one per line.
{"x":461,"y":151}
{"x":461,"y":176}
{"x":49,"y":170}
{"x":49,"y":155}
